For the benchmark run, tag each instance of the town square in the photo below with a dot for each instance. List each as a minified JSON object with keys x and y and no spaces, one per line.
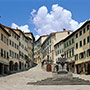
{"x":44,"y":45}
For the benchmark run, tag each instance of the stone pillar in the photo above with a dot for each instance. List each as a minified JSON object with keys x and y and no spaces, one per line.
{"x":75,"y":69}
{"x":65,"y":67}
{"x":18,"y":67}
{"x":2,"y":69}
{"x":83,"y":67}
{"x":8,"y":69}
{"x":60,"y":67}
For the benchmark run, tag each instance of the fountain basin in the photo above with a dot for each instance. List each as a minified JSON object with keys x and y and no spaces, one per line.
{"x":62,"y":74}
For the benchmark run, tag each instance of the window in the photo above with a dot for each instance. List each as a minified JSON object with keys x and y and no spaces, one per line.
{"x":15,"y":55}
{"x":7,"y":41}
{"x":60,"y":50}
{"x":50,"y":40}
{"x":1,"y":36}
{"x":7,"y":55}
{"x":82,"y":55}
{"x":72,"y":40}
{"x":15,"y":45}
{"x":14,"y":36}
{"x":83,"y":30}
{"x":72,"y":51}
{"x":76,"y":45}
{"x":80,"y":33}
{"x":58,"y":46}
{"x":80,"y":43}
{"x":84,"y":41}
{"x":76,"y":57}
{"x":88,"y":52}
{"x":17,"y":38}
{"x":77,"y":35}
{"x":64,"y":45}
{"x":19,"y":53}
{"x":1,"y":52}
{"x":10,"y":42}
{"x":88,"y":40}
{"x":69,"y":42}
{"x":4,"y":39}
{"x":10,"y":53}
{"x":4,"y":54}
{"x":87,"y":27}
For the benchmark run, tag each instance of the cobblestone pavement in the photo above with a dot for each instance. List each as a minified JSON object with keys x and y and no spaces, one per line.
{"x":19,"y":81}
{"x":82,"y":76}
{"x":61,"y":81}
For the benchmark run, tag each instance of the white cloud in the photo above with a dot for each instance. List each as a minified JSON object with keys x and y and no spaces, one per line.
{"x":24,"y":28}
{"x":58,"y":18}
{"x":36,"y":37}
{"x":33,"y":11}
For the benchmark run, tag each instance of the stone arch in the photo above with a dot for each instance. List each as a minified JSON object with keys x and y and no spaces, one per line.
{"x":11,"y":65}
{"x":48,"y":68}
{"x":23,"y":66}
{"x":16,"y":66}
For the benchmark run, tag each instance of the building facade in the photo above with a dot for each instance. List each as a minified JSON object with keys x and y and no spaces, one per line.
{"x":13,"y":50}
{"x":82,"y":48}
{"x":16,"y":50}
{"x":23,"y":54}
{"x":69,"y":44}
{"x":30,"y":49}
{"x":48,"y":53}
{"x":37,"y":48}
{"x":77,"y":49}
{"x":59,"y":50}
{"x":4,"y":51}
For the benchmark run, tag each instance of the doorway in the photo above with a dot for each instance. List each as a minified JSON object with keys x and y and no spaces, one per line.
{"x":48,"y":68}
{"x":88,"y":68}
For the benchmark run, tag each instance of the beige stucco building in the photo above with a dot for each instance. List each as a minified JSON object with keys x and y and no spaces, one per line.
{"x":59,"y":50}
{"x":4,"y":50}
{"x":16,"y":50}
{"x":23,"y":54}
{"x":82,"y":48}
{"x":77,"y":49}
{"x":30,"y":49}
{"x":69,"y":44}
{"x":37,"y":48}
{"x":48,"y":53}
{"x":13,"y":49}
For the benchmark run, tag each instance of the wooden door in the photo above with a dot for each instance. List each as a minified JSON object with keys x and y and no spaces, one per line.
{"x":48,"y":68}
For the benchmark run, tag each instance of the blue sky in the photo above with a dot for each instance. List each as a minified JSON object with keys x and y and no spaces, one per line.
{"x":18,"y":11}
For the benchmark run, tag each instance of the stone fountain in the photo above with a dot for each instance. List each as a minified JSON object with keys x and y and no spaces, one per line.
{"x":63,"y":71}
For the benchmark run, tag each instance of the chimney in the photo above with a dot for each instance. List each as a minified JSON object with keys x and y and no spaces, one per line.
{"x":64,"y":30}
